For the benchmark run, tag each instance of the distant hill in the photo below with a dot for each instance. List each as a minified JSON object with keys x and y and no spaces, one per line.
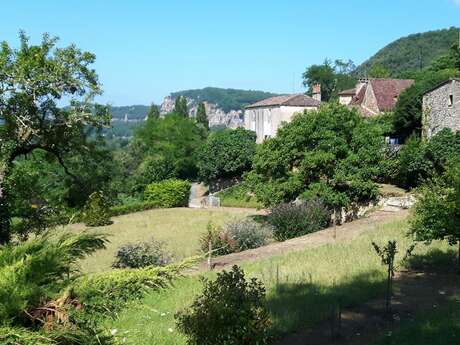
{"x":412,"y":52}
{"x":134,"y":112}
{"x":225,"y":99}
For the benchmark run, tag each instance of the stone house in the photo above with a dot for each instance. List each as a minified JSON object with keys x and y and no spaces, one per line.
{"x":441,"y":108}
{"x":266,"y":116}
{"x":374,"y":96}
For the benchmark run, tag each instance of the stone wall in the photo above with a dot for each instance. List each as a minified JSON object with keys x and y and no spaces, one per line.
{"x":438,"y":112}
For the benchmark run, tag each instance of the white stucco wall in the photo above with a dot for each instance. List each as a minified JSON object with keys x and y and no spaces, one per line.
{"x":345,"y":100}
{"x":266,"y":121}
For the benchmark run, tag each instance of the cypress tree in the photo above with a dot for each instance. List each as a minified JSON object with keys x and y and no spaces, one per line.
{"x":201,"y":116}
{"x":180,"y":106}
{"x":154,"y":112}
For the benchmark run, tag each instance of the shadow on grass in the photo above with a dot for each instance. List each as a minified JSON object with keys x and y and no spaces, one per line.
{"x":435,"y":260}
{"x":296,"y":306}
{"x":439,"y":327}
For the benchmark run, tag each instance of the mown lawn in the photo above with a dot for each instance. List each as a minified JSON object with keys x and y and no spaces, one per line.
{"x":179,"y":228}
{"x":301,"y":287}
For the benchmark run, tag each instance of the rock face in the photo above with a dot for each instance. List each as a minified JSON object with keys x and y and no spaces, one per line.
{"x":216,"y":116}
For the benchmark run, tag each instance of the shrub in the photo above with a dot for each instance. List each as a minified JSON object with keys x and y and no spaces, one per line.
{"x":131,"y":208}
{"x":220,"y":243}
{"x":238,"y":196}
{"x":154,"y":168}
{"x":290,"y":220}
{"x":247,"y":234}
{"x":168,"y":193}
{"x":37,"y":270}
{"x":140,"y":255}
{"x":97,"y":211}
{"x":230,"y":311}
{"x":108,"y":291}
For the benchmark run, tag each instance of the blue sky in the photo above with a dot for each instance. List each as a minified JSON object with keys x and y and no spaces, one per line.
{"x":147,"y":49}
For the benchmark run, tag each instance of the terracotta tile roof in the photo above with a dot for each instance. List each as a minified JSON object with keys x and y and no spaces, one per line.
{"x":349,"y":92}
{"x":295,"y":100}
{"x":387,"y":91}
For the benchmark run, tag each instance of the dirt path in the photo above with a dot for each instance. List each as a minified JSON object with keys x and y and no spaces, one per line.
{"x":343,"y":233}
{"x":415,"y":292}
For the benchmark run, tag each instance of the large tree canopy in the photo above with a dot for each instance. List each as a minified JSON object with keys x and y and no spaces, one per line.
{"x":333,"y":77}
{"x":227,"y":153}
{"x":332,"y":154}
{"x":34,"y":80}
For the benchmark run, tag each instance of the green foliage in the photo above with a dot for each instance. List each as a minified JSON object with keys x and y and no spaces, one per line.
{"x":437,"y":211}
{"x":332,"y":154}
{"x":230,"y":311}
{"x":333,"y":77}
{"x":36,"y":270}
{"x":247,"y":234}
{"x":420,"y":160}
{"x":238,"y":196}
{"x":216,"y":240}
{"x":201,"y":116}
{"x":34,"y":79}
{"x":378,"y":71}
{"x":97,"y":211}
{"x":175,"y":137}
{"x":226,"y":154}
{"x":106,"y":293}
{"x":180,"y":107}
{"x":139,"y":255}
{"x":154,"y":112}
{"x":168,"y":193}
{"x":412,"y":52}
{"x":387,"y":254}
{"x":290,"y":220}
{"x":139,"y":206}
{"x":226,"y":99}
{"x":408,"y":109}
{"x":154,"y":168}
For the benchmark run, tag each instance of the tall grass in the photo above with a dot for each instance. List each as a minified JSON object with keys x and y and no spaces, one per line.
{"x":301,"y":287}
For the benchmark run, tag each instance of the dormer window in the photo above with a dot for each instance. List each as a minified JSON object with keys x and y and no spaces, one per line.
{"x":451,"y":100}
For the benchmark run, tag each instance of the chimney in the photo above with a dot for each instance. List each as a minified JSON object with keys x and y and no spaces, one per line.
{"x":316,"y":92}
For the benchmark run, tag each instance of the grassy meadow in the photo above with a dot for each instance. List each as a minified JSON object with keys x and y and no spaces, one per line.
{"x":306,"y":283}
{"x":179,"y":228}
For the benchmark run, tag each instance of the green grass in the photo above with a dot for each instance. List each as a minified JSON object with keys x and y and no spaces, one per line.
{"x":301,"y":287}
{"x":237,"y":196}
{"x":439,"y":327}
{"x":179,"y":229}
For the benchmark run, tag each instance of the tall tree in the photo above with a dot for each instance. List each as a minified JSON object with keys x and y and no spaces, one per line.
{"x":33,"y":79}
{"x":154,"y":112}
{"x":201,"y":116}
{"x":180,"y":106}
{"x":333,"y":77}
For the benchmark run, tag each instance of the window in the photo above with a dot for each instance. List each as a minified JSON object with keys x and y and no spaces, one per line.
{"x":451,"y":100}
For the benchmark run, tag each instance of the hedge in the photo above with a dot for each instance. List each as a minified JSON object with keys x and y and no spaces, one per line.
{"x":168,"y":193}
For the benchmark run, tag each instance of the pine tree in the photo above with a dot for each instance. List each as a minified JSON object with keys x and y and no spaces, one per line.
{"x":154,"y":112}
{"x":201,"y":116}
{"x":180,"y":106}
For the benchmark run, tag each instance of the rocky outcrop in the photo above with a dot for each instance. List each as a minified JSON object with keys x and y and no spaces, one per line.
{"x":217,"y":117}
